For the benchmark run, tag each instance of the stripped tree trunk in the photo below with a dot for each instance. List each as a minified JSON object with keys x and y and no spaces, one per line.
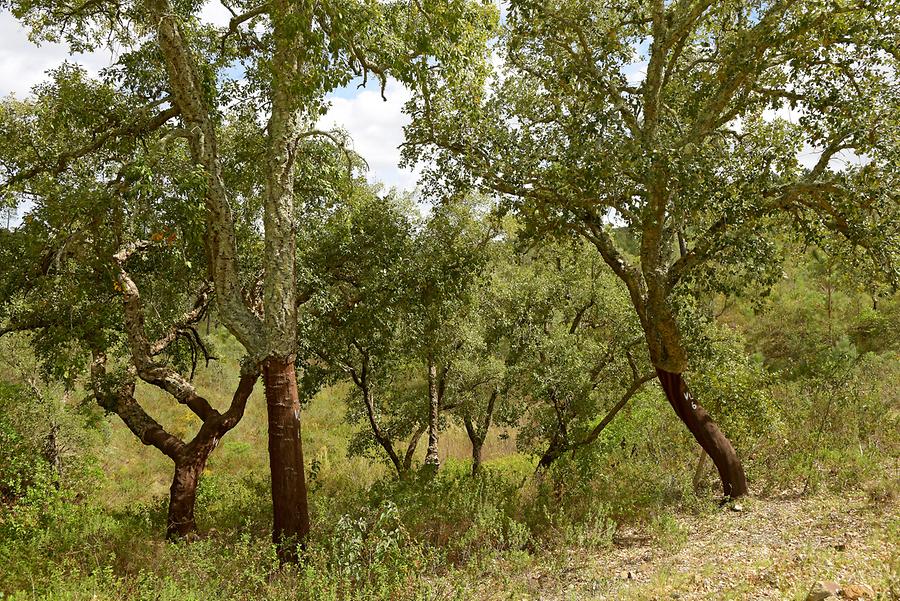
{"x":271,"y":340}
{"x":706,"y":432}
{"x":182,"y":498}
{"x":189,"y":458}
{"x":289,"y":501}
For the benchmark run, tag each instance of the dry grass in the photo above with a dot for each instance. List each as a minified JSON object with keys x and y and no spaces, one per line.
{"x":773,"y":549}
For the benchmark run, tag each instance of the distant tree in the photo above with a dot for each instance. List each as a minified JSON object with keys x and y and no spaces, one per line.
{"x":690,"y":157}
{"x":571,"y":340}
{"x":359,"y":265}
{"x":393,"y":305}
{"x":272,"y":66}
{"x":448,"y":266}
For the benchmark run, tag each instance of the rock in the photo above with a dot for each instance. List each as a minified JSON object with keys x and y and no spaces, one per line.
{"x":858,"y":591}
{"x":737,"y":507}
{"x":823,"y":590}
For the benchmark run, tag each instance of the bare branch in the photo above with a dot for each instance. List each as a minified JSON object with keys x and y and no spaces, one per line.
{"x":201,"y":306}
{"x":120,"y":400}
{"x":151,"y":372}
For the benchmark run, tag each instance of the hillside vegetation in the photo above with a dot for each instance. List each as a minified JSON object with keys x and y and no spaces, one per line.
{"x":632,"y":333}
{"x":618,"y":519}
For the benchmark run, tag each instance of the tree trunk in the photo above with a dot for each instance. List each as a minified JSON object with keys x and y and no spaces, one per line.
{"x":431,"y":455}
{"x":379,"y":435}
{"x":182,"y":497}
{"x":477,"y":445}
{"x":290,"y":508}
{"x":706,"y":432}
{"x":52,"y":454}
{"x":554,"y":451}
{"x":699,"y":471}
{"x":411,"y":448}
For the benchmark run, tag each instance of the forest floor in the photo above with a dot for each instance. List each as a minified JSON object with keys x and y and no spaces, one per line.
{"x":769,"y":549}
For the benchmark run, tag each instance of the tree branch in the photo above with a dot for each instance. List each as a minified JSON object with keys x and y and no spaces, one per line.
{"x":61,"y":162}
{"x":120,"y":400}
{"x":157,"y":374}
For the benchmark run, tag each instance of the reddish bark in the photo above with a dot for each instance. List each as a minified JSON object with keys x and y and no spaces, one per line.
{"x":706,"y":432}
{"x":190,"y":460}
{"x":182,"y":497}
{"x":289,"y":502}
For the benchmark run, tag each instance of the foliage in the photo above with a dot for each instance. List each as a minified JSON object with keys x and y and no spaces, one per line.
{"x":582,"y":213}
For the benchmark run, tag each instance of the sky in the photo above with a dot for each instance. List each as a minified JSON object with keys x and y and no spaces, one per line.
{"x":375,"y":125}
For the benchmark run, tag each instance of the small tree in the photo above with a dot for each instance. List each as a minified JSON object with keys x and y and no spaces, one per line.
{"x":447,"y":269}
{"x":352,"y":326}
{"x":396,"y":296}
{"x":570,"y":340}
{"x":71,"y":273}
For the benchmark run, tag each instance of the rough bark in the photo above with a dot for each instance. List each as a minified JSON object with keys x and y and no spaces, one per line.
{"x":706,"y":432}
{"x":187,"y":87}
{"x":272,"y":340}
{"x":142,"y":350}
{"x":432,"y":460}
{"x":283,"y":128}
{"x":182,"y":498}
{"x":289,"y":501}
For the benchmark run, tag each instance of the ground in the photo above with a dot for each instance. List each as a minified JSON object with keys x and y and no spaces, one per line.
{"x":770,"y":549}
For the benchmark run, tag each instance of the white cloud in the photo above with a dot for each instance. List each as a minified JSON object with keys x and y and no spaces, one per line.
{"x":215,"y":13}
{"x":24,"y":64}
{"x":376,"y":127}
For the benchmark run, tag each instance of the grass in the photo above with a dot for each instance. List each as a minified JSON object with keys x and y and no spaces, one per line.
{"x":609,"y":511}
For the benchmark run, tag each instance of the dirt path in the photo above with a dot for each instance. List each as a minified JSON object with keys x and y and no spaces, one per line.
{"x":772,"y":549}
